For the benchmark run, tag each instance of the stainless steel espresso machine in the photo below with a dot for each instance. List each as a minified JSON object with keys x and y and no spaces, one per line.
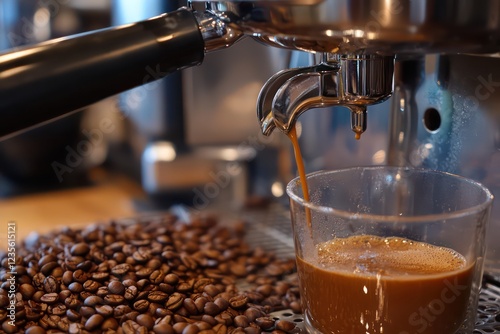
{"x":432,"y":61}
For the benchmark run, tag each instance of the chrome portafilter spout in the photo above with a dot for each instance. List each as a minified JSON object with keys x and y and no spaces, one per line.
{"x":353,"y":81}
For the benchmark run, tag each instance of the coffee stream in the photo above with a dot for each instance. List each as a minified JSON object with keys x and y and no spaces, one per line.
{"x":301,"y":169}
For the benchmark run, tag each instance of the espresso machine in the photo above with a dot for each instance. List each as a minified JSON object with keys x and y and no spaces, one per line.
{"x":426,"y":70}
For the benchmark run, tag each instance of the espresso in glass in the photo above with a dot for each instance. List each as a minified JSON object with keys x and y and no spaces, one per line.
{"x":370,"y":284}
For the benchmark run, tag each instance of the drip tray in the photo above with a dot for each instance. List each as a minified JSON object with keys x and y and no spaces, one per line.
{"x":271,"y":229}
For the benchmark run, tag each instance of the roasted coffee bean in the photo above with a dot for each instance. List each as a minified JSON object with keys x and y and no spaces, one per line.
{"x":121,"y":310}
{"x":145,"y":320}
{"x":220,"y":329}
{"x":67,"y":277}
{"x":100,"y":276}
{"x":47,"y":269}
{"x":38,"y":280}
{"x":120,"y":269}
{"x":57,"y":309}
{"x":75,"y":287}
{"x":116,"y":287}
{"x":141,"y":305}
{"x":86,"y":266}
{"x":110,"y":324}
{"x":113,"y":300}
{"x":157,"y":296}
{"x":80,"y":276}
{"x":104,"y":310}
{"x":171,"y":279}
{"x":35,"y":330}
{"x":241,"y":321}
{"x":73,"y":315}
{"x":149,"y":277}
{"x":266,"y":323}
{"x":211,"y":308}
{"x":90,"y":286}
{"x":80,"y":249}
{"x":144,"y":272}
{"x":75,"y":328}
{"x":94,"y":322}
{"x":93,"y":301}
{"x":50,"y":284}
{"x":253,"y":313}
{"x":190,"y":306}
{"x":50,"y":298}
{"x":285,"y":325}
{"x":238,"y":301}
{"x":174,"y":301}
{"x":26,"y":290}
{"x":162,"y":328}
{"x":87,"y":311}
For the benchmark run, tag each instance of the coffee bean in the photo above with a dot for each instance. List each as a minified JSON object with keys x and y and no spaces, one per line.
{"x":93,"y":301}
{"x":94,"y":322}
{"x":157,"y":296}
{"x":238,"y":301}
{"x":110,"y":324}
{"x":145,"y":320}
{"x":38,"y":280}
{"x":87,"y":311}
{"x":131,"y":292}
{"x":50,"y":284}
{"x":190,"y":306}
{"x":144,"y":272}
{"x":50,"y":298}
{"x":211,"y":308}
{"x":178,"y":327}
{"x":46,"y":259}
{"x":26,"y":290}
{"x":120,"y":269}
{"x":285,"y":325}
{"x":47,"y":269}
{"x":90,"y":286}
{"x":179,"y":275}
{"x":121,"y":310}
{"x":162,"y":328}
{"x":87,"y":266}
{"x":100,"y":276}
{"x":75,"y":287}
{"x":171,"y":279}
{"x":67,"y":277}
{"x":75,"y":328}
{"x":266,"y":323}
{"x":57,"y":309}
{"x":35,"y":330}
{"x":80,"y":249}
{"x":73,"y":315}
{"x":141,"y":305}
{"x":113,"y":299}
{"x":104,"y":310}
{"x":220,"y":329}
{"x":80,"y":276}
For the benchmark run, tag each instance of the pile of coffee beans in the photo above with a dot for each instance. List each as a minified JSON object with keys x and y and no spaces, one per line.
{"x":150,"y":275}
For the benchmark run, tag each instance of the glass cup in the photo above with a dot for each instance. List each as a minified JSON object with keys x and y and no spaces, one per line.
{"x":389,"y":250}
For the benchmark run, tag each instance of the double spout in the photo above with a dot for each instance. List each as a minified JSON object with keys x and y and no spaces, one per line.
{"x":353,"y":81}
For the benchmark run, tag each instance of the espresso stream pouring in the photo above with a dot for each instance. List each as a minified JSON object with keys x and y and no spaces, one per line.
{"x":45,"y":81}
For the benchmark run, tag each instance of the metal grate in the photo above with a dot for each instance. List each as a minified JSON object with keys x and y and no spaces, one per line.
{"x":271,"y":229}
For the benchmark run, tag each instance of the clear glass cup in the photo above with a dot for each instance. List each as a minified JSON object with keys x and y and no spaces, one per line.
{"x":389,"y":250}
